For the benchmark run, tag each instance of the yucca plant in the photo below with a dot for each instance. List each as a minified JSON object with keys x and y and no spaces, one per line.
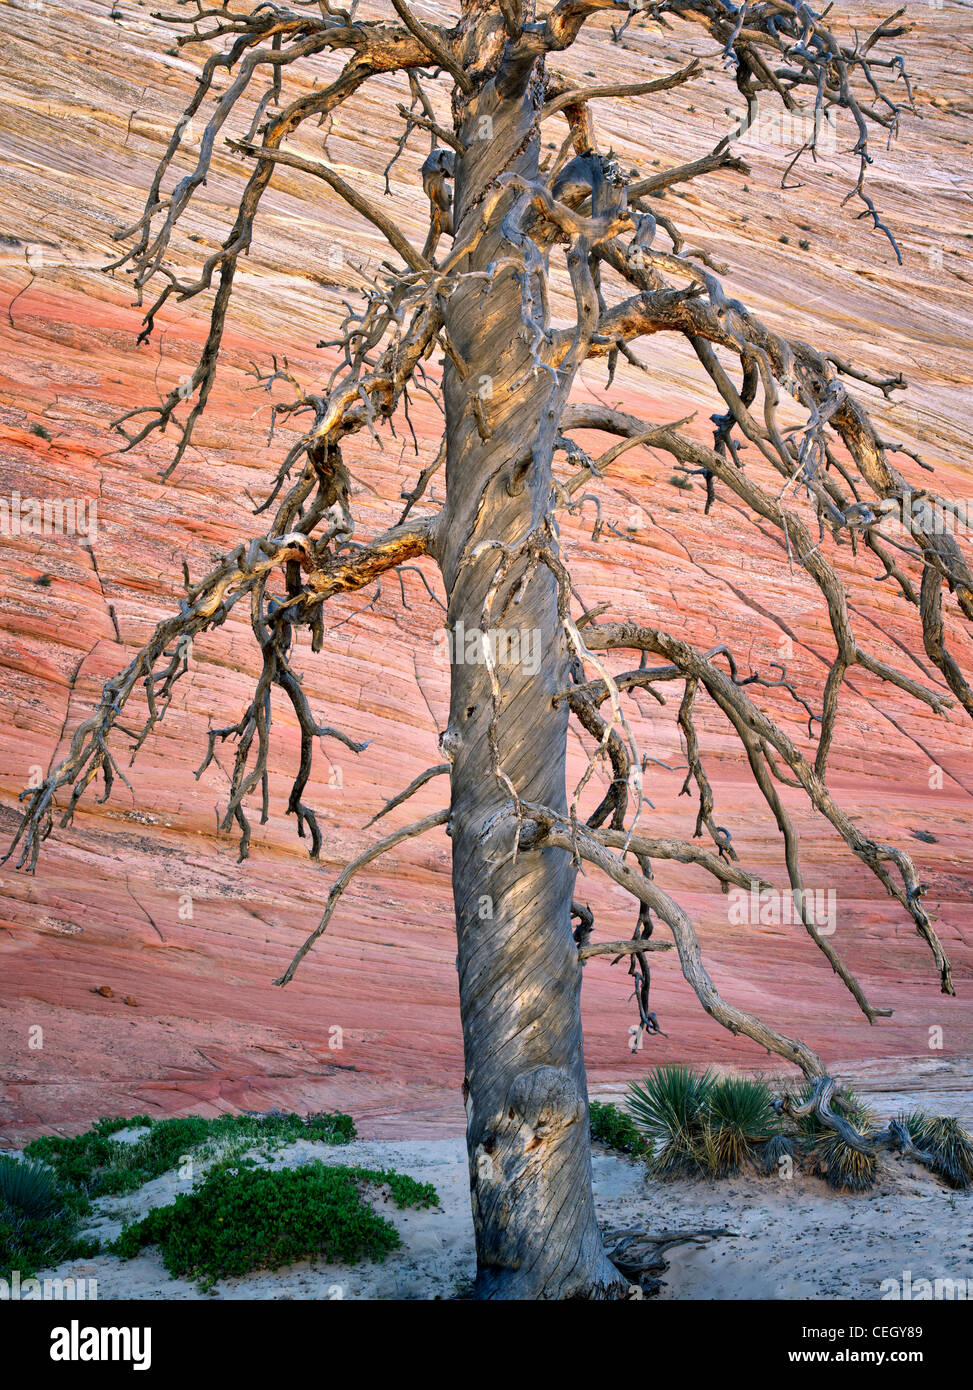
{"x":670,"y":1109}
{"x":913,"y":1121}
{"x":947,"y":1141}
{"x":740,"y":1116}
{"x":779,"y":1146}
{"x":845,"y":1169}
{"x":28,"y":1188}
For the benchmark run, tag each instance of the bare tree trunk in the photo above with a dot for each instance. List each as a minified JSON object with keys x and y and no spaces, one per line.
{"x":519,"y":975}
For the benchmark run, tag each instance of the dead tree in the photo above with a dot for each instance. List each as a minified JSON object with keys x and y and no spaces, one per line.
{"x":502,"y":229}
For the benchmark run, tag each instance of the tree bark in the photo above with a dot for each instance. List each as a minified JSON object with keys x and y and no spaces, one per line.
{"x":519,"y":974}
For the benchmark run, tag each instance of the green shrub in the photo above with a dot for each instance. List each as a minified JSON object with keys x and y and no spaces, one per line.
{"x":613,"y":1127}
{"x":80,"y":1161}
{"x":238,"y":1219}
{"x":44,"y":1198}
{"x":669,"y":1110}
{"x":101,"y":1165}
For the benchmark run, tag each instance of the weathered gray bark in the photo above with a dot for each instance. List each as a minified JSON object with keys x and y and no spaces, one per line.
{"x":519,"y":975}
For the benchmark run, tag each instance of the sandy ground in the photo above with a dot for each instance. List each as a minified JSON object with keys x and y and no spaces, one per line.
{"x":793,"y":1239}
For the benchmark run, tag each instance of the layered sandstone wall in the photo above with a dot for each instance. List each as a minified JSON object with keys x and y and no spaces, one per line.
{"x":146,"y":1007}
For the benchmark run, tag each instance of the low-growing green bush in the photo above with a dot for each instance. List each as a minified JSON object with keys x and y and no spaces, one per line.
{"x":238,"y":1219}
{"x":104,"y":1166}
{"x":45,"y":1197}
{"x":80,"y":1161}
{"x":612,"y":1126}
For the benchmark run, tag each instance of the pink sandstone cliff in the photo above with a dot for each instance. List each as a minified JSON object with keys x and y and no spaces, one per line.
{"x":141,"y":895}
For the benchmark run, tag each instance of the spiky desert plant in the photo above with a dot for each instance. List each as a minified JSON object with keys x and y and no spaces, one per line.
{"x":779,"y":1146}
{"x":740,"y":1116}
{"x":913,"y":1121}
{"x":670,"y":1109}
{"x":28,"y":1188}
{"x":845,"y":1168}
{"x":947,"y":1141}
